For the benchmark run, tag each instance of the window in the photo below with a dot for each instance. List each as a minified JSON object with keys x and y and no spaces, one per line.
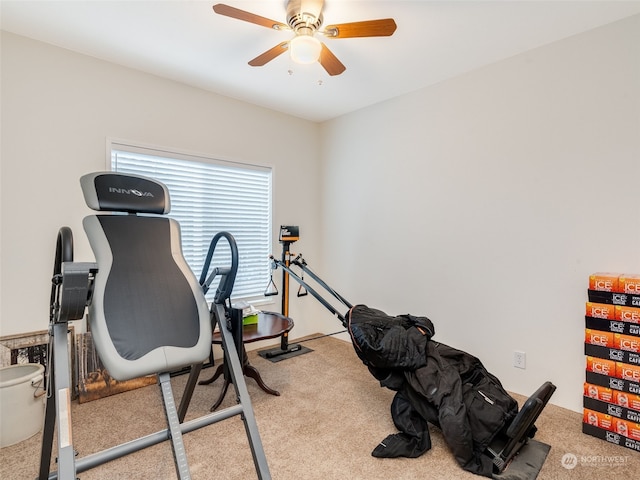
{"x":209,"y":196}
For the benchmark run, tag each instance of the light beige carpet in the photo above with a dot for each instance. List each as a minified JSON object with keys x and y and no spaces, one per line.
{"x":329,"y":417}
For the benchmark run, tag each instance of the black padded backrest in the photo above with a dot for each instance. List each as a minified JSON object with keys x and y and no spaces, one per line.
{"x":148,"y":312}
{"x":145,"y":283}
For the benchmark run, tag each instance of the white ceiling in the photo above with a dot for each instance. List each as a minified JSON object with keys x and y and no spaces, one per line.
{"x":187,"y":42}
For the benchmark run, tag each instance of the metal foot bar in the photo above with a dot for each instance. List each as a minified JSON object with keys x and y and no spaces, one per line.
{"x":94,"y":460}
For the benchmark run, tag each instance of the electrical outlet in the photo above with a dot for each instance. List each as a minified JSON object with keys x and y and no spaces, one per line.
{"x":520,"y":360}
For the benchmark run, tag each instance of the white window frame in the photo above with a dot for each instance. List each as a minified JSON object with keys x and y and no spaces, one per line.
{"x":252,"y":279}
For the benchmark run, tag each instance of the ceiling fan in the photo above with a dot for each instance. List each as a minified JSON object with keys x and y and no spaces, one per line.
{"x":304,"y":19}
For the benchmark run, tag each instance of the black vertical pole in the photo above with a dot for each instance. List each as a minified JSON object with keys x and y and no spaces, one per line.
{"x":285,"y":279}
{"x":284,"y":340}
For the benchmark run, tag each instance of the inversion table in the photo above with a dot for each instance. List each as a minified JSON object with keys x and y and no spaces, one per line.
{"x":147,"y":315}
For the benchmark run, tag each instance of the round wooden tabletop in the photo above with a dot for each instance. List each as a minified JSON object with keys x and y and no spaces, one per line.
{"x":270,"y":325}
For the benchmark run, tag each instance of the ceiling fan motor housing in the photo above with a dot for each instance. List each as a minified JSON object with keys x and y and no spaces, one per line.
{"x":304,"y":17}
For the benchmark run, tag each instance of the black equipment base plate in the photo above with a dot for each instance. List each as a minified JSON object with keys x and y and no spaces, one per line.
{"x":277,"y":354}
{"x":527,"y":463}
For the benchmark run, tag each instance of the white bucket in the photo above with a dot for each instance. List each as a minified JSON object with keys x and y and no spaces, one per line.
{"x":21,"y":402}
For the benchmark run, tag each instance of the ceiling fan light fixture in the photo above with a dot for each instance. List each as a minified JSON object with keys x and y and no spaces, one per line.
{"x":305,"y":49}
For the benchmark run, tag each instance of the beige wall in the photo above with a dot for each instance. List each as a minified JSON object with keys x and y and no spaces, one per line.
{"x":58,"y":109}
{"x":485,"y":202}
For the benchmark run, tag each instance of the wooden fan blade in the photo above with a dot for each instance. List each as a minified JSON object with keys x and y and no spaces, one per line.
{"x":269,"y":55}
{"x":368,"y":28}
{"x":222,"y":9}
{"x":330,"y":62}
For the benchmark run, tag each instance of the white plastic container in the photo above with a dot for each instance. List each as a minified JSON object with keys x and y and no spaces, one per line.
{"x":21,"y":402}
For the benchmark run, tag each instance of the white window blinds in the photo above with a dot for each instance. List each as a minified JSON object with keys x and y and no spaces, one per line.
{"x":207,"y":197}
